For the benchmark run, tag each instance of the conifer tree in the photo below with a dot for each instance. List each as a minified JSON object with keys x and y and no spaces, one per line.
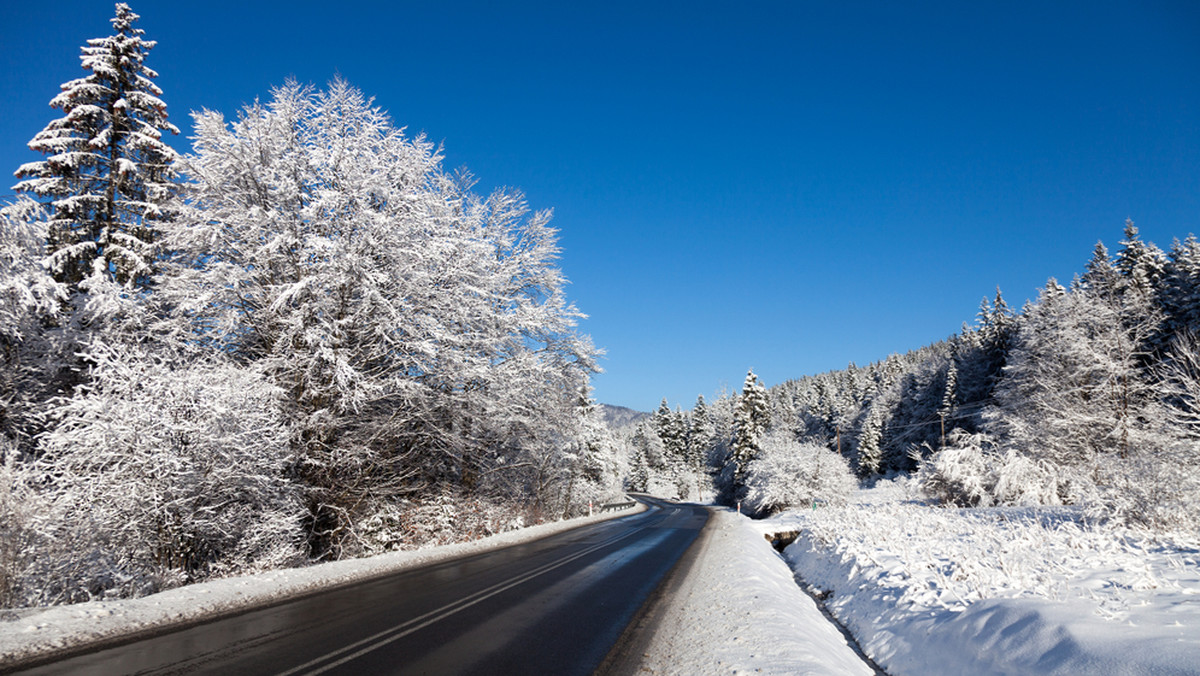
{"x":108,"y":175}
{"x":1180,"y":295}
{"x":700,"y":435}
{"x":750,"y":423}
{"x":1141,"y":264}
{"x":870,"y":452}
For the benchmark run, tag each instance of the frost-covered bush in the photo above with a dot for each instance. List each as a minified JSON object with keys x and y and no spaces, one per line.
{"x":973,"y":472}
{"x":18,"y":504}
{"x":1156,"y":488}
{"x":447,"y":518}
{"x":157,"y":474}
{"x":30,"y":301}
{"x":788,"y":474}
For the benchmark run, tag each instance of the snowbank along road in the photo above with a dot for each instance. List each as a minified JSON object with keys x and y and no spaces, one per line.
{"x":552,"y":606}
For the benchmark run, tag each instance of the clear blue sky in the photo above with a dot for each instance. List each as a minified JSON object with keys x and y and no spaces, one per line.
{"x":788,"y":186}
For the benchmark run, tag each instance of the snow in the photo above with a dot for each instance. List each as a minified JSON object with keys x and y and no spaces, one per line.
{"x":930,"y":590}
{"x":739,"y":611}
{"x":26,"y":633}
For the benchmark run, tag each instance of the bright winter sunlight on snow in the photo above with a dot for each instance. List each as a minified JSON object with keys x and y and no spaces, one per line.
{"x":634,"y":338}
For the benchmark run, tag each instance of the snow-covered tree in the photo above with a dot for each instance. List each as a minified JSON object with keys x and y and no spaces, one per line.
{"x":870,"y":440}
{"x":638,"y":478}
{"x":420,"y":332}
{"x":596,"y":470}
{"x":750,"y":424}
{"x":108,"y":176}
{"x":30,"y":303}
{"x":788,"y":474}
{"x":159,"y":472}
{"x":1073,"y":389}
{"x":1180,"y":293}
{"x":1141,"y":264}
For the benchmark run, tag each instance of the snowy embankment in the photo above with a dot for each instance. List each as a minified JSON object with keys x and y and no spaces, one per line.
{"x":739,"y":610}
{"x":26,"y":633}
{"x":929,"y":590}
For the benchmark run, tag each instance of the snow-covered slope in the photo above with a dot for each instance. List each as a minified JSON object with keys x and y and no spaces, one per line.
{"x":929,"y":590}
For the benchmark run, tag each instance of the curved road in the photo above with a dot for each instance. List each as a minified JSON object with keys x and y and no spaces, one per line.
{"x":553,"y":606}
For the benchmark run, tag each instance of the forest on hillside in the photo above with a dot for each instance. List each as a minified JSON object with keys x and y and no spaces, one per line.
{"x":1088,"y":396}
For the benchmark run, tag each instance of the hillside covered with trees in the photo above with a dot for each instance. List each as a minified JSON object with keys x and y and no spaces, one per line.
{"x":1088,"y":396}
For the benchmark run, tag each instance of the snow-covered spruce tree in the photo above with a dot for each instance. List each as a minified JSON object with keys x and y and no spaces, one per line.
{"x":750,"y":424}
{"x":1180,"y":292}
{"x":420,"y":332}
{"x":870,"y":439}
{"x":108,"y":177}
{"x":700,"y":441}
{"x":596,"y":471}
{"x":638,"y":478}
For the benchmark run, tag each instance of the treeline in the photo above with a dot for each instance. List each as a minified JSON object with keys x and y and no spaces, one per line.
{"x":305,"y":340}
{"x":1088,"y":396}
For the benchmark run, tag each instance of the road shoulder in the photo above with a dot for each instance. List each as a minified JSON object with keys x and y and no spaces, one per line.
{"x":737,"y":609}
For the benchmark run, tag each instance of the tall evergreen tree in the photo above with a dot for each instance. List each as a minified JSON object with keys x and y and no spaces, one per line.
{"x":870,"y":451}
{"x":1142,"y":264}
{"x":108,"y":175}
{"x":700,"y":435}
{"x":1180,"y":296}
{"x":750,"y":423}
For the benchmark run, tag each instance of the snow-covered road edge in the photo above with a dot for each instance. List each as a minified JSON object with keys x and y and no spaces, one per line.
{"x":739,"y":610}
{"x":30,"y":634}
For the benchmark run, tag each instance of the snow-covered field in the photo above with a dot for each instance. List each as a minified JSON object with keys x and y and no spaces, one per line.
{"x":30,"y":632}
{"x":929,"y":590}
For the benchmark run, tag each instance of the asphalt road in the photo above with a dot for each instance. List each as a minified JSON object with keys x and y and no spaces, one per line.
{"x":554,"y":606}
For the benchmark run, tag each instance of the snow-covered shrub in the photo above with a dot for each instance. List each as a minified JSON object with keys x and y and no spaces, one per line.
{"x":1156,"y":488}
{"x":30,"y":301}
{"x":159,"y":473}
{"x":1022,"y":481}
{"x":18,"y":502}
{"x":446,"y":518}
{"x":788,"y":473}
{"x":959,"y":474}
{"x":973,"y":472}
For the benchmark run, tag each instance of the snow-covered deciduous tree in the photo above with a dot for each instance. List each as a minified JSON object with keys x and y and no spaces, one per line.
{"x":788,"y":474}
{"x":108,"y":176}
{"x":596,"y":469}
{"x":157,"y":473}
{"x":419,"y":331}
{"x":1073,"y":388}
{"x":30,"y":304}
{"x":19,"y":503}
